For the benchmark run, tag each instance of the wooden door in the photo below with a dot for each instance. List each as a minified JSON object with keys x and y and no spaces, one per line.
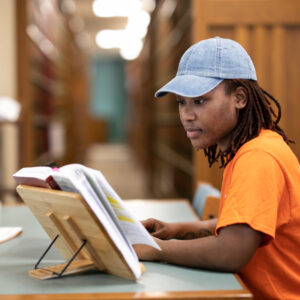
{"x":270,"y":31}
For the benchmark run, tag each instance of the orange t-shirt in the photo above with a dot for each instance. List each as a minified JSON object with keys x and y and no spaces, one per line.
{"x":261,"y":187}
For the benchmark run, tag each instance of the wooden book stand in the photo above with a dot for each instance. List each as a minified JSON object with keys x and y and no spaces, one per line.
{"x":76,"y":232}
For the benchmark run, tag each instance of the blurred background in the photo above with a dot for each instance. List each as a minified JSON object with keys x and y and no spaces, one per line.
{"x":77,"y":80}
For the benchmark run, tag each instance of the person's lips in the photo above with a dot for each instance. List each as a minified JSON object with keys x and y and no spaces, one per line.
{"x":193,"y":133}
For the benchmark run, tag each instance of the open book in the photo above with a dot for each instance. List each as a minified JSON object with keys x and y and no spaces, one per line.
{"x":118,"y":222}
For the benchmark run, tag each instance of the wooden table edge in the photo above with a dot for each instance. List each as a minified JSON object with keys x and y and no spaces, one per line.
{"x":212,"y":295}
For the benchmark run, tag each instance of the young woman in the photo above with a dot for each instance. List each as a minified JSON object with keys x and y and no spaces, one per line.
{"x":257,"y":234}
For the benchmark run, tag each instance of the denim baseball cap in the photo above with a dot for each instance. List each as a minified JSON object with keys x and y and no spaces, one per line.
{"x":205,"y":64}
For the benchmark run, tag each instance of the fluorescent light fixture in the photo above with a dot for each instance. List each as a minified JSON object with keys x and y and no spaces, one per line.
{"x":130,"y":46}
{"x":108,"y":39}
{"x":135,"y":29}
{"x":131,"y":50}
{"x":129,"y":40}
{"x":137,"y":24}
{"x":115,"y":8}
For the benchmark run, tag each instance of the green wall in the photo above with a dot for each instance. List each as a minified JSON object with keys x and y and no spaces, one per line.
{"x":108,"y":95}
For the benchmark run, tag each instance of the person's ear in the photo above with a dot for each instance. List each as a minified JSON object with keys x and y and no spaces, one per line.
{"x":240,"y":97}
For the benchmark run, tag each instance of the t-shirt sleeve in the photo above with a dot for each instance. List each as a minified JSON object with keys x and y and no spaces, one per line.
{"x":253,"y":195}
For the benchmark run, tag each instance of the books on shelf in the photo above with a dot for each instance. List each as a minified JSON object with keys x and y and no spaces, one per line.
{"x":99,"y":205}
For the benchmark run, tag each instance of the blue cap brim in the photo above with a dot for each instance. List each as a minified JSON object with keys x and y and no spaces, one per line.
{"x":189,"y":86}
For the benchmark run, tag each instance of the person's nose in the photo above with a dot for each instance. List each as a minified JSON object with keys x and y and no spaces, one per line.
{"x":187,"y":113}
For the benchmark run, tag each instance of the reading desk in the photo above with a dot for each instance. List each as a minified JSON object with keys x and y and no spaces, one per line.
{"x":160,"y":281}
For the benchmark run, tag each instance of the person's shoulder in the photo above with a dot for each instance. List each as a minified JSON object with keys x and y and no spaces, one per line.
{"x":267,"y":140}
{"x":269,"y":143}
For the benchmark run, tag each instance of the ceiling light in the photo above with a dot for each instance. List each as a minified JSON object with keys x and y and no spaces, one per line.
{"x":130,"y":45}
{"x":115,"y":8}
{"x":138,"y":23}
{"x":131,"y":50}
{"x":108,"y":39}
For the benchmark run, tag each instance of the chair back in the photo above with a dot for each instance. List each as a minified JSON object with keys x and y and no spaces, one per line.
{"x":206,"y":199}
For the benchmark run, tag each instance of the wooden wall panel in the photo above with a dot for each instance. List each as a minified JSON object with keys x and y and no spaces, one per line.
{"x":242,"y":35}
{"x":278,"y":74}
{"x":260,"y":53}
{"x":250,"y":12}
{"x":270,"y":31}
{"x":292,"y":90}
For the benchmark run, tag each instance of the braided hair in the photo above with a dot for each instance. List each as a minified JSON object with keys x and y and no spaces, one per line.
{"x":257,"y":114}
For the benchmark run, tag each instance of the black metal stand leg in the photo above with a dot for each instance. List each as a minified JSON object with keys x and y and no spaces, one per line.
{"x":71,"y":259}
{"x":43,"y":255}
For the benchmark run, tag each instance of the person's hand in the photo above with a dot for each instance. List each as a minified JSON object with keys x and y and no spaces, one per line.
{"x":148,"y":253}
{"x":160,"y":229}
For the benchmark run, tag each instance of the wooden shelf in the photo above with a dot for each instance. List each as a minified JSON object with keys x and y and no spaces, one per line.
{"x":51,"y":82}
{"x":160,"y":141}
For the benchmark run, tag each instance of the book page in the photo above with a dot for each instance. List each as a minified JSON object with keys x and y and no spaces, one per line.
{"x":36,"y":176}
{"x":133,"y":229}
{"x":72,"y":178}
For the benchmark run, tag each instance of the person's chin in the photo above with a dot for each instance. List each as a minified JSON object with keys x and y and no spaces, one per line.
{"x":196,"y":144}
{"x":200,"y":144}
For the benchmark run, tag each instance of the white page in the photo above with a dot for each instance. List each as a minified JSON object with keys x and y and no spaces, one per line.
{"x":133,"y":229}
{"x":89,"y":173}
{"x":34,"y":176}
{"x":34,"y":172}
{"x":71,"y":178}
{"x":101,"y":198}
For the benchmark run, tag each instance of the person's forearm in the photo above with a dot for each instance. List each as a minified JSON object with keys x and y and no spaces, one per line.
{"x":229,"y":251}
{"x":192,"y":230}
{"x":207,"y":254}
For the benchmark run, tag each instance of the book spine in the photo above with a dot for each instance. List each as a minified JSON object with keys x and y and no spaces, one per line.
{"x":52,"y":183}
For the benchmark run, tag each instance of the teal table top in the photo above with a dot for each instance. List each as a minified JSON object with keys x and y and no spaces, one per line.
{"x":20,"y":254}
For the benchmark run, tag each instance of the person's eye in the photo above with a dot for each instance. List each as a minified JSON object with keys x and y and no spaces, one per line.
{"x":199,"y":101}
{"x":180,"y":102}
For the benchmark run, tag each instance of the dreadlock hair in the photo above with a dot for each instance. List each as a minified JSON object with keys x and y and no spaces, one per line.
{"x":257,"y":114}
